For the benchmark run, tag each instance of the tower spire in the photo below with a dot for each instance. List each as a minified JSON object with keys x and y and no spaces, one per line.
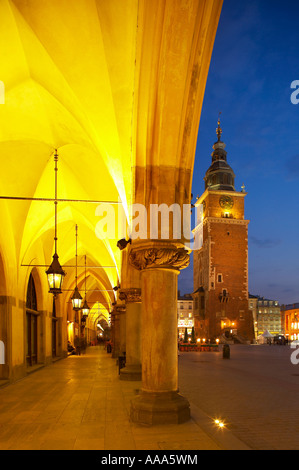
{"x":220,"y":175}
{"x":219,"y":130}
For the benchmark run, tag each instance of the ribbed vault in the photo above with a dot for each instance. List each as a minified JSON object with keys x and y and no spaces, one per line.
{"x":116,"y":87}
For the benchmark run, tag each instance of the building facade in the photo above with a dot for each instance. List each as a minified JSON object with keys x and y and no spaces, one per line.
{"x":290,"y":315}
{"x":221,"y":264}
{"x":252,"y":304}
{"x":269,"y":317}
{"x":185,"y":315}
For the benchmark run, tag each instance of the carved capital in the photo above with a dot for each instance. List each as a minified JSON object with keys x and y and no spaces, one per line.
{"x":120,"y":309}
{"x":130,"y":295}
{"x":160,"y":256}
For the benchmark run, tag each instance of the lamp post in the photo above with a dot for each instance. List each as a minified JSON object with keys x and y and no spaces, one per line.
{"x":85,"y":308}
{"x":55,"y":273}
{"x":76,"y":297}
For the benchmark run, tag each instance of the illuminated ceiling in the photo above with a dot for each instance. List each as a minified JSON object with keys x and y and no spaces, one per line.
{"x":113,"y":85}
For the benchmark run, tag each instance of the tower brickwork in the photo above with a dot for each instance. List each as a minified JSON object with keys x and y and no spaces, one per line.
{"x":221,"y":264}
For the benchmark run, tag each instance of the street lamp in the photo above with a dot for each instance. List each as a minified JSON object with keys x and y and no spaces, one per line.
{"x":55,"y":273}
{"x":76,"y":297}
{"x":85,"y":308}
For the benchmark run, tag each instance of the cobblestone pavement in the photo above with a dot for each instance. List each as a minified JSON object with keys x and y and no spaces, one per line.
{"x":256,"y":392}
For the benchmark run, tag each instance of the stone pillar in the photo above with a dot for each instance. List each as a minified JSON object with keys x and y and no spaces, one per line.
{"x":119,"y":330}
{"x":115,"y":333}
{"x":121,"y":310}
{"x":132,"y":370}
{"x":159,"y":401}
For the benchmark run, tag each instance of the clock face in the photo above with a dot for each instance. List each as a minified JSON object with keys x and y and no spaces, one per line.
{"x":226,"y":202}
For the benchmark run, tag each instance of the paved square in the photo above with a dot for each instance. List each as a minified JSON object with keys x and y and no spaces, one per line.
{"x":255,"y":392}
{"x":80,"y":403}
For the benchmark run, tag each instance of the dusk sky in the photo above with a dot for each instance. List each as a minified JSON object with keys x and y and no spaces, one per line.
{"x":255,"y":60}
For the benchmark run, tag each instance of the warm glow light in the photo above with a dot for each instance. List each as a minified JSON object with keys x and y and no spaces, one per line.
{"x":54,"y":280}
{"x":76,"y":299}
{"x":204,"y":340}
{"x":76,"y":304}
{"x":55,"y":275}
{"x":219,"y":423}
{"x":85,"y":309}
{"x":217,"y":340}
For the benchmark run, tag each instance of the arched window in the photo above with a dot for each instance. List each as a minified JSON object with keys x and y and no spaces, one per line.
{"x":31,"y":323}
{"x":31,"y":301}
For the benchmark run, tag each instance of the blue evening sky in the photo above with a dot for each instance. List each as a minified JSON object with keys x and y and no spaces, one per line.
{"x":255,"y":60}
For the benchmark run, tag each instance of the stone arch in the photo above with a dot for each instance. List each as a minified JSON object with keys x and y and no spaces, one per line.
{"x":35,"y":276}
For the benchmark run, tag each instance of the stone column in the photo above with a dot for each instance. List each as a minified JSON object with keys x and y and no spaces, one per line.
{"x":115,"y":333}
{"x":121,"y":310}
{"x":159,"y":401}
{"x":132,"y":370}
{"x":119,"y":330}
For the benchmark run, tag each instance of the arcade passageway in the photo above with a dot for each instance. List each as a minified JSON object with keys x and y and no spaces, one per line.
{"x":80,"y":403}
{"x":101,"y":111}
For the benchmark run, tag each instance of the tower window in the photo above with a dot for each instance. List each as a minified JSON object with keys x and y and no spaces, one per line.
{"x":219,"y":278}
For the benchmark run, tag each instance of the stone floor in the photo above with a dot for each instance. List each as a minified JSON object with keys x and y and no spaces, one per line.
{"x":79,"y":403}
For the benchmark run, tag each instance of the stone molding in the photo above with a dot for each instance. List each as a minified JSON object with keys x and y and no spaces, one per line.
{"x":225,"y":220}
{"x":158,"y":255}
{"x":120,"y":309}
{"x":131,"y":295}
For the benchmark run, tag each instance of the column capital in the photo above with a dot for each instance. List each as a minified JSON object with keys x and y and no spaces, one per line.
{"x":120,"y":309}
{"x":149,"y":255}
{"x":130,"y":295}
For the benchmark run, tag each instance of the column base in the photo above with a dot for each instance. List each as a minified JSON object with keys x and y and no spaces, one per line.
{"x":115,"y":353}
{"x":131,"y":372}
{"x":160,"y":408}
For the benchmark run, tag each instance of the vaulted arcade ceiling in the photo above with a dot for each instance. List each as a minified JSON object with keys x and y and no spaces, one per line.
{"x":114,"y":86}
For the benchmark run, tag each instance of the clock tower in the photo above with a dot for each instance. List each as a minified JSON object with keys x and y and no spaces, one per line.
{"x":221,"y":264}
